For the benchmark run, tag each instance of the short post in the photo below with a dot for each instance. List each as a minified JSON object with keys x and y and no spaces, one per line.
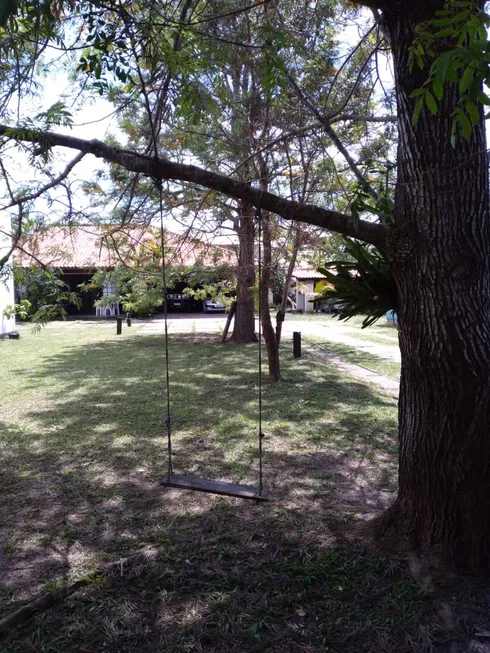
{"x":297,"y":344}
{"x":119,"y":326}
{"x":128,"y":319}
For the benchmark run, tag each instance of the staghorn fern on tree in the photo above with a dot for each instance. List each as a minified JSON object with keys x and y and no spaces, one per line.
{"x":364,"y":284}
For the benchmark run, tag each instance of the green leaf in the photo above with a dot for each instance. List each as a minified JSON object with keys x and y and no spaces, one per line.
{"x":481,"y":33}
{"x":442,"y":22}
{"x":430,"y":102}
{"x":466,"y":127}
{"x":466,"y":79}
{"x":440,"y":67}
{"x":473,"y":112}
{"x":417,"y":109}
{"x":441,"y":34}
{"x":483,"y":99}
{"x":451,"y":20}
{"x":438,"y":89}
{"x":452,"y":75}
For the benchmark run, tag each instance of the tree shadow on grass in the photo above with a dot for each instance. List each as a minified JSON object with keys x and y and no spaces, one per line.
{"x":216,"y":574}
{"x":81,"y":480}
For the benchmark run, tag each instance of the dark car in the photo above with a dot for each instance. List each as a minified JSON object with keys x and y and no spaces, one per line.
{"x":332,"y":306}
{"x":178,"y":302}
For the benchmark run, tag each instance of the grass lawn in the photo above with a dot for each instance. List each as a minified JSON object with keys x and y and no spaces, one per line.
{"x":82,"y":451}
{"x":382,"y":366}
{"x":380,"y":333}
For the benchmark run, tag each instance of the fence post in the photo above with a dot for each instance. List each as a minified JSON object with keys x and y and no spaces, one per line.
{"x":297,"y":344}
{"x":119,"y":326}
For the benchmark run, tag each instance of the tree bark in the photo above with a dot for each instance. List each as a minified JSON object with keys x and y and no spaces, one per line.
{"x":440,"y":253}
{"x":244,"y":324}
{"x":271,"y":342}
{"x":281,"y":313}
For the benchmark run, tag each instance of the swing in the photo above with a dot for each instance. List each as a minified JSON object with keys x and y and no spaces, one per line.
{"x":182,"y":482}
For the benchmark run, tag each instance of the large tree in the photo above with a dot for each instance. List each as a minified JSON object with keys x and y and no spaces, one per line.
{"x":439,"y":248}
{"x":438,"y":240}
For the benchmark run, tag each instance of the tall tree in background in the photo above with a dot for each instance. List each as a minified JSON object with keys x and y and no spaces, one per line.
{"x":438,"y":240}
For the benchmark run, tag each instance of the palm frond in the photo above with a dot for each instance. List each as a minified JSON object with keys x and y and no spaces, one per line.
{"x":364,"y":285}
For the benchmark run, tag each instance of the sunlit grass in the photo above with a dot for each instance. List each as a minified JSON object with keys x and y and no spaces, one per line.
{"x":377,"y":364}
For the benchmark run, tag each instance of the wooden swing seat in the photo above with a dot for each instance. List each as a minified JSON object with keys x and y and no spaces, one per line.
{"x":216,"y":487}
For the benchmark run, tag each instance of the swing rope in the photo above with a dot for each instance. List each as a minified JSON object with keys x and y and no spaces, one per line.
{"x":165,"y":312}
{"x":258,"y":216}
{"x":189,"y":482}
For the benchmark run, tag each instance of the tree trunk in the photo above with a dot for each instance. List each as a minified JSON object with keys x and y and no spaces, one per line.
{"x":440,"y":252}
{"x":281,"y":313}
{"x":244,"y":325}
{"x":271,"y":343}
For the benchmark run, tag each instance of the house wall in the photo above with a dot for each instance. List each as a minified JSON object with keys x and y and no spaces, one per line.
{"x":304,"y":291}
{"x":6,"y":281}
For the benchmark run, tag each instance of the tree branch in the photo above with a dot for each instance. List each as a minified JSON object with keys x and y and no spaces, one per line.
{"x":164,"y":169}
{"x":54,"y":182}
{"x":325,"y":122}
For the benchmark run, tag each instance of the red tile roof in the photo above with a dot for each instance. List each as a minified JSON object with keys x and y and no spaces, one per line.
{"x":87,"y":247}
{"x":307,"y":274}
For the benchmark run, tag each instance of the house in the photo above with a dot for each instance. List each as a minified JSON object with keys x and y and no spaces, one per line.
{"x":7,"y":324}
{"x":308,"y":283}
{"x":78,"y":252}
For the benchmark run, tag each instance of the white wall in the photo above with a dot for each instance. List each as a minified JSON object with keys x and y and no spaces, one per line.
{"x":304,"y":292}
{"x":6,"y":283}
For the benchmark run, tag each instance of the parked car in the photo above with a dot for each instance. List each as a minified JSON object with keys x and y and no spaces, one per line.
{"x":213,"y":306}
{"x":332,"y":306}
{"x":178,"y":302}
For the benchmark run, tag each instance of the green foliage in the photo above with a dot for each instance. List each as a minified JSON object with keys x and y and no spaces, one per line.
{"x":220,"y":291}
{"x":43,"y":295}
{"x":138,"y":292}
{"x":383,"y":206}
{"x":8,"y":8}
{"x":141,"y":292}
{"x":217,"y":283}
{"x":460,"y":31}
{"x":199,"y":275}
{"x":22,"y":309}
{"x":365,"y":285}
{"x":57,"y":115}
{"x":33,"y":129}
